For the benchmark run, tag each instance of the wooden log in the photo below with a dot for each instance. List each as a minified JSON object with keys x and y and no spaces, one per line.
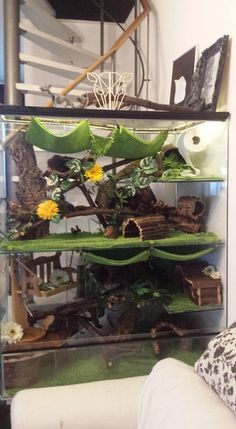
{"x":146,"y":227}
{"x":189,"y":227}
{"x":191,"y":207}
{"x":87,"y":211}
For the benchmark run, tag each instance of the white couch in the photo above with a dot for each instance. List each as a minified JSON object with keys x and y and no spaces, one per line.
{"x":171,"y":397}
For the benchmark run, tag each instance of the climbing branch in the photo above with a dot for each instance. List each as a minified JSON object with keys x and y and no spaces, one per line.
{"x":90,"y":98}
{"x":88,"y":211}
{"x":92,"y":205}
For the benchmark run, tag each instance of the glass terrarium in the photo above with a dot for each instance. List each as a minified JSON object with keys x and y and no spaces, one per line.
{"x":110,"y":239}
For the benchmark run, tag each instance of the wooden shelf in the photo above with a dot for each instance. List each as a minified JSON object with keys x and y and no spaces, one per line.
{"x":56,"y":290}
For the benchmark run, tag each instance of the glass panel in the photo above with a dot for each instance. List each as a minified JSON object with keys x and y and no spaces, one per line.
{"x":115,"y":227}
{"x":94,"y":363}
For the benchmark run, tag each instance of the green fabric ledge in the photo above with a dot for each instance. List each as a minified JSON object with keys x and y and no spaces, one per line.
{"x":96,"y":241}
{"x":76,"y":140}
{"x":122,"y":143}
{"x":144,"y":256}
{"x":129,"y":146}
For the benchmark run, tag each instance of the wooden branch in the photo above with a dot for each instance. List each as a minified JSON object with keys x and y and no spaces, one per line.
{"x":102,"y":211}
{"x":116,"y":164}
{"x":38,"y":223}
{"x":92,"y":204}
{"x":118,"y":43}
{"x":134,"y":101}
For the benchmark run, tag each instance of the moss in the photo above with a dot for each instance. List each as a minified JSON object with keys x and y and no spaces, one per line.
{"x":85,"y":240}
{"x":181,"y":303}
{"x":126,"y":360}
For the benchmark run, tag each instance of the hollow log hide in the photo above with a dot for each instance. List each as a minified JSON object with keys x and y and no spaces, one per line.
{"x":146,"y":227}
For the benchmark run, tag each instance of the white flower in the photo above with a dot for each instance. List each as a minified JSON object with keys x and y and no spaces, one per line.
{"x":215,"y":275}
{"x":208,"y":270}
{"x":59,"y":277}
{"x":211,"y":272}
{"x":11,"y":332}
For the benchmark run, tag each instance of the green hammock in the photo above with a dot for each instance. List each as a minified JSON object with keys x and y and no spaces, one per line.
{"x":122,"y":143}
{"x":75,"y":141}
{"x":129,"y":146}
{"x":144,"y":256}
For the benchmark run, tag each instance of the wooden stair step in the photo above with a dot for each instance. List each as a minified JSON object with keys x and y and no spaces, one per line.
{"x":41,"y":18}
{"x":43,"y":4}
{"x":28,"y":88}
{"x":65,"y":70}
{"x":67,"y":52}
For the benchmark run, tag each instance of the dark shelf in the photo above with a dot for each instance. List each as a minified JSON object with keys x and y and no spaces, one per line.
{"x":89,"y":10}
{"x":111,"y":114}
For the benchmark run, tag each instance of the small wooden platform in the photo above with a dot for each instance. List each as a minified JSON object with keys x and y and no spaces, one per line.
{"x":200,"y":288}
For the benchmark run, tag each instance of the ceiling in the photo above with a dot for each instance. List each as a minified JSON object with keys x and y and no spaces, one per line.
{"x":89,"y":11}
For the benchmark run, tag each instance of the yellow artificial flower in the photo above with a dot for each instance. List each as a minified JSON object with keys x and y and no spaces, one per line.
{"x":47,"y":210}
{"x":94,"y":174}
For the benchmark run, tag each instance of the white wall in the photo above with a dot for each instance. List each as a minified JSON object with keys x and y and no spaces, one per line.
{"x":175,"y":27}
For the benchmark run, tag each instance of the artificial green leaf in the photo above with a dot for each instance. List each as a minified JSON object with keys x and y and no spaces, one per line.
{"x":81,"y":179}
{"x":151,"y":170}
{"x":146,"y":162}
{"x":66,"y":185}
{"x":130,"y":191}
{"x":144,"y":181}
{"x":52,"y":180}
{"x":56,"y":194}
{"x":136,"y":174}
{"x":156,"y":294}
{"x":74,"y":166}
{"x":88,"y":164}
{"x":143,"y":291}
{"x":56,"y":219}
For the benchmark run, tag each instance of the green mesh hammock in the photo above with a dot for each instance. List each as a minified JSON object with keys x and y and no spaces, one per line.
{"x":75,"y":141}
{"x":122,"y":143}
{"x":144,"y":256}
{"x":129,"y":146}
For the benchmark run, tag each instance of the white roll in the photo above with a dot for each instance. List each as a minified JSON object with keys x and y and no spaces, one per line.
{"x":194,"y":146}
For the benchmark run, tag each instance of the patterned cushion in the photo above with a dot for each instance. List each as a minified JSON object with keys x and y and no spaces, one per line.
{"x":217,"y":366}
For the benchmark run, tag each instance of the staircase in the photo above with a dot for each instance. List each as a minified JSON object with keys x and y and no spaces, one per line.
{"x":60,"y":54}
{"x":62,"y":58}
